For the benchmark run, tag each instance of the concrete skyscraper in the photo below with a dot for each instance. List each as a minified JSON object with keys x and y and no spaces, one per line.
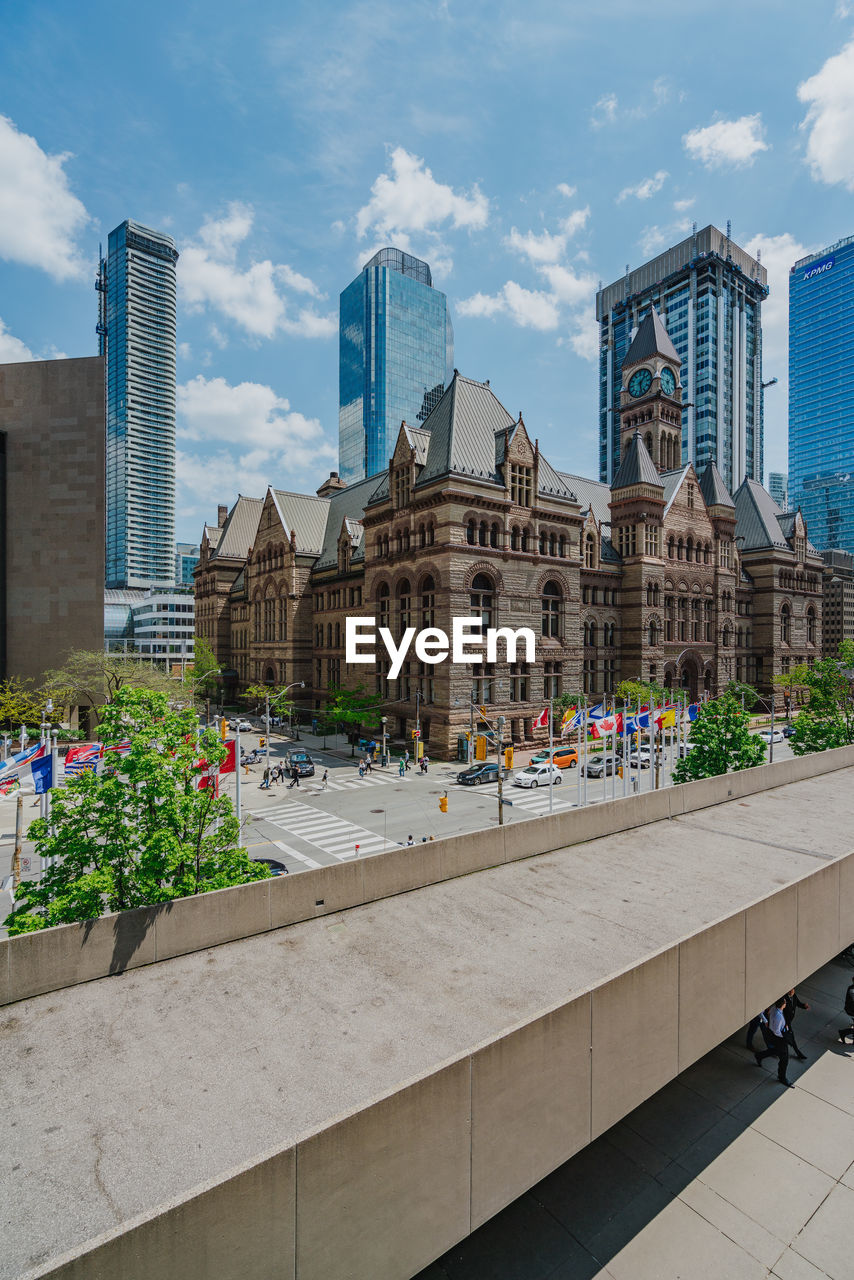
{"x":821,"y":413}
{"x":396,"y":356}
{"x":708,"y":293}
{"x":136,"y":330}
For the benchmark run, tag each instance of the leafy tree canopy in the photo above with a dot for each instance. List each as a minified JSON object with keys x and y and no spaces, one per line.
{"x":204,"y":669}
{"x":633,"y":691}
{"x":828,"y":686}
{"x":97,"y":677}
{"x":140,"y":831}
{"x":354,"y":707}
{"x":743,"y":692}
{"x":722,"y":741}
{"x":20,"y":702}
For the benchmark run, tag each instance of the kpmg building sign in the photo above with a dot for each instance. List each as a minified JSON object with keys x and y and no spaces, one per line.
{"x":819,"y":268}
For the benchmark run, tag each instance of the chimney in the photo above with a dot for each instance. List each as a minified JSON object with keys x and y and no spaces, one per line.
{"x":221,"y":515}
{"x":330,"y":486}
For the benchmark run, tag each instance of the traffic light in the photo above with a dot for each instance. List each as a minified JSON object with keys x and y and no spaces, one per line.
{"x":262,"y":742}
{"x":508,"y":757}
{"x":443,"y":804}
{"x":480,"y":747}
{"x":223,"y":729}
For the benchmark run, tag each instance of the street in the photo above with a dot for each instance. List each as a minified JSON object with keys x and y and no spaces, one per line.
{"x":306,"y":826}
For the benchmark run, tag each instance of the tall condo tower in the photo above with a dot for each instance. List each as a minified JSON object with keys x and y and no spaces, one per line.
{"x":821,"y":413}
{"x":396,"y":356}
{"x":136,"y":333}
{"x":708,"y":293}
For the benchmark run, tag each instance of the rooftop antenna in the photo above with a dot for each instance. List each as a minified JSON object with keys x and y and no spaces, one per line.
{"x":693,"y":228}
{"x":728,"y":236}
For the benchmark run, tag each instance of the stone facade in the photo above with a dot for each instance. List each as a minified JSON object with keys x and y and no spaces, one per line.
{"x":664,"y":577}
{"x":52,"y":435}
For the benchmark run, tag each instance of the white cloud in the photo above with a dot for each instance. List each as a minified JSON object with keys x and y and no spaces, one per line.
{"x":184,"y":350}
{"x":733,"y":143}
{"x":251,"y":437}
{"x":529,"y":308}
{"x":548,"y":247}
{"x":410,"y":199}
{"x":40,"y":217}
{"x":569,"y":288}
{"x":607,"y":110}
{"x":252,"y":297}
{"x":655,"y":237}
{"x":604,"y":111}
{"x":585,"y":338}
{"x":645,"y":189}
{"x":830,"y":119}
{"x":843,"y":9}
{"x":12,"y":349}
{"x":682,"y":205}
{"x":566,"y":190}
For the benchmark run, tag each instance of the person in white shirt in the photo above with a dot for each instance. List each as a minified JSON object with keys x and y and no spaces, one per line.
{"x":778,"y":1048}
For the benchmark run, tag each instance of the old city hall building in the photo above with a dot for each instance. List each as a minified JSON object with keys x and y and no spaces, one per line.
{"x":664,"y":576}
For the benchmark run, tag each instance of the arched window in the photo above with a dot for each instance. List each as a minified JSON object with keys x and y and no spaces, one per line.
{"x":542,"y":544}
{"x":398,"y":542}
{"x":679,"y":549}
{"x":526,"y":542}
{"x":671,"y":546}
{"x":669,"y":615}
{"x":337,"y":635}
{"x":514,"y":538}
{"x":471,"y":533}
{"x":562,"y":547}
{"x":406,"y":540}
{"x":785,"y":624}
{"x":609,"y":632}
{"x":726,"y":635}
{"x":422,"y":536}
{"x":482,"y":534}
{"x":653,"y":632}
{"x":428,"y":602}
{"x":493,"y":535}
{"x":589,"y":551}
{"x":482,"y":599}
{"x":383,"y":605}
{"x":551,"y":609}
{"x":590,"y":633}
{"x":552,"y":544}
{"x":811,"y":631}
{"x":404,"y":605}
{"x":431,"y":534}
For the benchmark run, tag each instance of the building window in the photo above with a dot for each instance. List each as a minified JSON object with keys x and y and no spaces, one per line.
{"x":484,"y":684}
{"x":257,"y":622}
{"x":283,"y":618}
{"x":482,"y":599}
{"x":725,"y":553}
{"x":471,"y":533}
{"x":551,"y":604}
{"x":404,"y":606}
{"x":588,"y":675}
{"x":428,"y":602}
{"x":590,"y":633}
{"x":609,"y":631}
{"x":515,"y":538}
{"x":651,"y":539}
{"x":401,"y":487}
{"x":552,"y":680}
{"x":269,"y":620}
{"x":785,"y":624}
{"x":383,"y":605}
{"x":610,"y":674}
{"x":521,"y":485}
{"x":811,"y":630}
{"x":653,"y":633}
{"x":519,"y":682}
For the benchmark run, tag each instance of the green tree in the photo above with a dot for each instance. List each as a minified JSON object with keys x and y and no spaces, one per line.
{"x":205,"y":669}
{"x":744,"y":693}
{"x":96,"y":677}
{"x":20,"y":702}
{"x":633,"y":691}
{"x":722,"y":741}
{"x":141,"y":831}
{"x":828,"y":685}
{"x":353,"y":709}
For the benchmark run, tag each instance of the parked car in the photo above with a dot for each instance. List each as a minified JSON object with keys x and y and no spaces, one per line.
{"x":301,"y":761}
{"x":600,"y":766}
{"x":640,"y":757}
{"x":538,"y":775}
{"x":563,"y":757}
{"x":276,"y":868}
{"x":772,"y":735}
{"x":479,"y":773}
{"x":788,"y":730}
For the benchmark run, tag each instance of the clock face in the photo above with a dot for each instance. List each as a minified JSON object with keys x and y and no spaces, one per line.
{"x":640,"y":382}
{"x":668,"y":381}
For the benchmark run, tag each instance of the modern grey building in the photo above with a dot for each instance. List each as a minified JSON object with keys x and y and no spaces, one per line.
{"x":778,"y":487}
{"x":136,"y":331}
{"x":186,"y":559}
{"x":821,"y":410}
{"x":709,"y":294}
{"x":396,"y":356}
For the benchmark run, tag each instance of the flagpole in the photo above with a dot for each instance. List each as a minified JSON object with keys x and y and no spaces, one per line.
{"x":585,"y":750}
{"x":578,"y":769}
{"x":237,"y":778}
{"x":652,"y":713}
{"x":551,"y":760}
{"x":625,"y":761}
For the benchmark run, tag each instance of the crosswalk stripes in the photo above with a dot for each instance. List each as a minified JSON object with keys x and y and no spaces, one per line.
{"x":335,"y":836}
{"x":300,"y":857}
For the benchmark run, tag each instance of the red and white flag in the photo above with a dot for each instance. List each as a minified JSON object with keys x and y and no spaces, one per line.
{"x":607,"y":724}
{"x":542,"y":720}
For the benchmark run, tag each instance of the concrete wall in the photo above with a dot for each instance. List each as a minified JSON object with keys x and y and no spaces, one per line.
{"x":382,"y":1192}
{"x":61,"y":957}
{"x":52,"y":414}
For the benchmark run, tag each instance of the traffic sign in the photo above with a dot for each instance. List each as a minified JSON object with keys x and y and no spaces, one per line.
{"x":416,"y":733}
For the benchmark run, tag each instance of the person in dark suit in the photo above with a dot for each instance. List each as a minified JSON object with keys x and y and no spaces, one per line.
{"x":779,"y":1046}
{"x":793,"y":1003}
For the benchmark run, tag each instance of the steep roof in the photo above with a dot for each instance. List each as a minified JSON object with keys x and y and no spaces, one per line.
{"x":671,"y":481}
{"x":650,"y":340}
{"x":238,"y":533}
{"x":637,"y":467}
{"x":212,"y":533}
{"x":304,"y":516}
{"x":591,"y":495}
{"x":462,"y":430}
{"x":419,"y":438}
{"x":713,"y":489}
{"x":757,"y":518}
{"x":347,"y":504}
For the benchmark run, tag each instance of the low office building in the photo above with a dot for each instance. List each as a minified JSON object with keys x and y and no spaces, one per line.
{"x":663,"y":576}
{"x":154,"y":624}
{"x":838,"y":605}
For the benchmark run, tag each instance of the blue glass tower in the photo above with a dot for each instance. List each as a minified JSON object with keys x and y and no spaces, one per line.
{"x":821,"y":410}
{"x":709,"y":294}
{"x":396,"y":356}
{"x":136,"y":332}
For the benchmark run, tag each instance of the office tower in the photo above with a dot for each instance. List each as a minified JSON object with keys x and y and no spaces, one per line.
{"x":708,"y":292}
{"x":136,"y":331}
{"x":396,"y":356}
{"x":778,"y":487}
{"x":52,"y":512}
{"x":821,"y":412}
{"x":186,"y":559}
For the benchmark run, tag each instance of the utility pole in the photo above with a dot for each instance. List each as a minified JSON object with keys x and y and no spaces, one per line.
{"x":19,"y":835}
{"x":384,"y":720}
{"x":237,"y":754}
{"x":471,"y":730}
{"x":499,"y":739}
{"x":417,"y":725}
{"x":267,"y":720}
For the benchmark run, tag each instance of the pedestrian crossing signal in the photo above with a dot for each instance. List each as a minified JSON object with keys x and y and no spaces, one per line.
{"x":262,"y":742}
{"x":443,"y":804}
{"x":480,"y":747}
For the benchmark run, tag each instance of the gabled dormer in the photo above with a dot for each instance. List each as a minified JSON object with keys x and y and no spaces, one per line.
{"x":410,"y":453}
{"x":637,"y":503}
{"x":349,"y":541}
{"x":521,"y":465}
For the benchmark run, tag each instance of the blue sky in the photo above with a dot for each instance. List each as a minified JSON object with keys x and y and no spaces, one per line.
{"x":527,"y":151}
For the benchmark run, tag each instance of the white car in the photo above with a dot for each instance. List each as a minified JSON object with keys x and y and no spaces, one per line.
{"x":775,"y":735}
{"x":537,"y":775}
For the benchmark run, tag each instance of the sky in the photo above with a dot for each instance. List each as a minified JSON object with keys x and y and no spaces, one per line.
{"x":526,"y":151}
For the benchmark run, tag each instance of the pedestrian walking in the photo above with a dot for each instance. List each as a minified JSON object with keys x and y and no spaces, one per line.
{"x":778,"y":1047}
{"x":793,"y":1003}
{"x":400,"y":767}
{"x":410,"y":841}
{"x":753,"y":1026}
{"x":406,"y":759}
{"x":845,"y":1032}
{"x":265,"y":782}
{"x":324,"y":781}
{"x":368,"y":763}
{"x":361,"y":768}
{"x":294,"y":782}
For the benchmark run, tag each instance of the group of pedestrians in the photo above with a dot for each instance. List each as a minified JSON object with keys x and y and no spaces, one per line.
{"x":278,"y":773}
{"x":776,"y":1025}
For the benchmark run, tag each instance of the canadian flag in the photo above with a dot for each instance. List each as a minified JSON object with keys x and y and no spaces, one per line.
{"x":542,"y":719}
{"x":607,"y":724}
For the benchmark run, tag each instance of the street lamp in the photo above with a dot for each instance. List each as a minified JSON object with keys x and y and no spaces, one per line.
{"x":384,"y":721}
{"x":297,"y":684}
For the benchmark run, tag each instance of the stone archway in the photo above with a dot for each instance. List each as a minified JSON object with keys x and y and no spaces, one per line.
{"x":690,"y":676}
{"x":269,"y":675}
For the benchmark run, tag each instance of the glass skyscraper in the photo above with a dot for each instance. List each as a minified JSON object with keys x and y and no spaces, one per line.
{"x":709,"y":294}
{"x":136,"y":333}
{"x":821,"y":409}
{"x":396,"y":356}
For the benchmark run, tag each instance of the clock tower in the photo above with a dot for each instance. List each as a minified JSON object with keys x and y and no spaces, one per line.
{"x":651,"y":398}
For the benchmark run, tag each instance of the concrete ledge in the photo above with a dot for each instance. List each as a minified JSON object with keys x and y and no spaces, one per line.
{"x":818,"y":918}
{"x":62,"y":957}
{"x":706,"y":1008}
{"x":771,"y":959}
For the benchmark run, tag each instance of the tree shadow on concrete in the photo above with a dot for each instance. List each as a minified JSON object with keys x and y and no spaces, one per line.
{"x":572,"y":1223}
